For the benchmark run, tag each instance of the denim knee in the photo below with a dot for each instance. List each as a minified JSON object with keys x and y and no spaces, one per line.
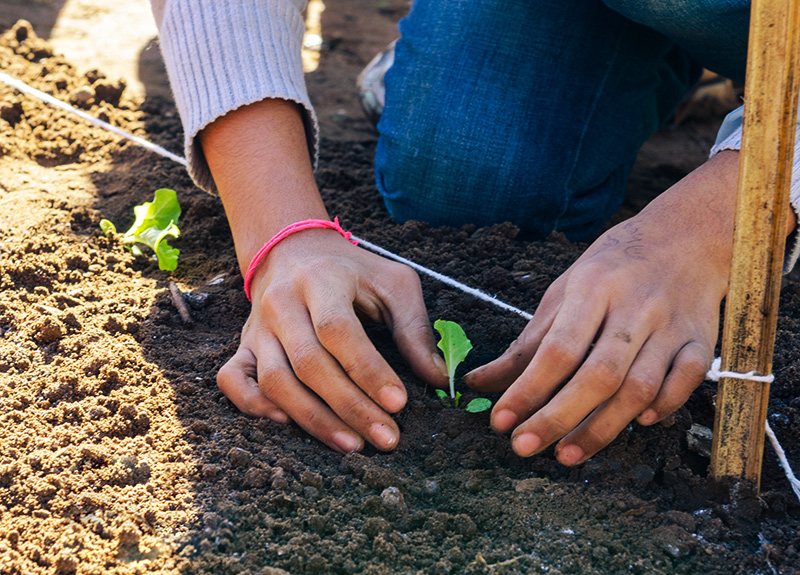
{"x":713,"y":32}
{"x":422,"y":178}
{"x":523,"y":111}
{"x":453,"y":186}
{"x":692,"y":13}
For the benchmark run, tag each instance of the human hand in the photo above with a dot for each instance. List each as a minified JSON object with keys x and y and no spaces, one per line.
{"x":304,"y":354}
{"x":628,"y":331}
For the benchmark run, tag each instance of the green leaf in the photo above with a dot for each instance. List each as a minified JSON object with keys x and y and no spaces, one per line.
{"x":107,"y":227}
{"x":478,"y":404}
{"x":155,"y":223}
{"x":458,"y":397}
{"x":160,"y":213}
{"x":442,"y":394}
{"x":454,"y":345}
{"x":155,"y":238}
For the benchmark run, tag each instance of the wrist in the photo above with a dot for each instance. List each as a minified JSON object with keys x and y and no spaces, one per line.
{"x":287,"y":231}
{"x":258,"y":156}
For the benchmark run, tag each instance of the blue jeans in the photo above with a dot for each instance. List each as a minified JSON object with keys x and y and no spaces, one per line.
{"x":533,"y":111}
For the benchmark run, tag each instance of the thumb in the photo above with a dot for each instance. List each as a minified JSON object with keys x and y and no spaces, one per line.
{"x":413,"y":335}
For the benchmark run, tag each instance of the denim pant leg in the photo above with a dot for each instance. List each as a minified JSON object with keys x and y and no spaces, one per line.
{"x":713,"y":32}
{"x":521,"y":110}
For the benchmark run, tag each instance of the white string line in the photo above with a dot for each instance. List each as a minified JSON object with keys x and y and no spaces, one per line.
{"x":714,"y":374}
{"x":787,"y":469}
{"x":25,"y":89}
{"x":443,"y":278}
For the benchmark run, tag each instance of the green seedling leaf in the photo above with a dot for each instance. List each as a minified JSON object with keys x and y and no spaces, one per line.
{"x":455,"y":346}
{"x":155,"y":239}
{"x":155,"y":222}
{"x":442,"y":394}
{"x":478,"y":404}
{"x":160,"y":213}
{"x":107,"y":227}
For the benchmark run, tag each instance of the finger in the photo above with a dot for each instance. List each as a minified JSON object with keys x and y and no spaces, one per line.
{"x":277,"y":382}
{"x":342,"y":335}
{"x":638,"y":390}
{"x":237,"y":380}
{"x":559,"y":355}
{"x":411,"y":328}
{"x":315,"y":367}
{"x":499,"y":374}
{"x":598,"y":379}
{"x":688,"y":370}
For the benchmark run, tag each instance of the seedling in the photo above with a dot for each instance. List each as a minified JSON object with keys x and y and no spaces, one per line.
{"x":455,"y":346}
{"x":155,"y":222}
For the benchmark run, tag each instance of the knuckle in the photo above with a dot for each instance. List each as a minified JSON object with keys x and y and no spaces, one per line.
{"x":641,"y":390}
{"x":225,"y":378}
{"x":407,"y":276}
{"x":352,"y":410}
{"x":589,"y":272}
{"x":307,"y":361}
{"x":307,"y":275}
{"x":693,"y":370}
{"x":606,"y":374}
{"x":655,"y":310}
{"x":311,"y":417}
{"x":308,"y":418}
{"x":331,"y":327}
{"x":274,"y":299}
{"x":561,"y":350}
{"x":557,"y":423}
{"x":271,"y":379}
{"x":366,"y":375}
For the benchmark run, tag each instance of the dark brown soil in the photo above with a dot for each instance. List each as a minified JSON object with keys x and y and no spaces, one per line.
{"x":118,"y":454}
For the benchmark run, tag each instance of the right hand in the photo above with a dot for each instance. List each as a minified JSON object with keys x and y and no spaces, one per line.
{"x":304,"y":354}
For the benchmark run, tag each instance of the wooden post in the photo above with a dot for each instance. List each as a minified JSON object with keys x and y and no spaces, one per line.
{"x":762,"y":206}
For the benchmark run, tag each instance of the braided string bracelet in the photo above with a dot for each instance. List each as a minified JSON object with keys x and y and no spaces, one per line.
{"x":283,"y":234}
{"x":714,"y":374}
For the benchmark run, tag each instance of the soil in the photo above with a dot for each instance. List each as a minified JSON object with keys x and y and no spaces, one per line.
{"x":118,"y":454}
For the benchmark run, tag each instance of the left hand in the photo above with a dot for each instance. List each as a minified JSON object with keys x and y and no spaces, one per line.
{"x":628,"y":331}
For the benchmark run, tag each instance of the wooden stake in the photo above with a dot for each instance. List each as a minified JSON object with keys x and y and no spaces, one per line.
{"x":762,"y":208}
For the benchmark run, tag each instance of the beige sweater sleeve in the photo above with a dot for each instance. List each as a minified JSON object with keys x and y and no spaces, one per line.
{"x":224,"y":54}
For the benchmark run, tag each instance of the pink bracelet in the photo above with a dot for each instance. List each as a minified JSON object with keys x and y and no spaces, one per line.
{"x":287,"y":231}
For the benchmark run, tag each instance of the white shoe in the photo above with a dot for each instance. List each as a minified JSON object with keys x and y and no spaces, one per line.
{"x":371,"y":91}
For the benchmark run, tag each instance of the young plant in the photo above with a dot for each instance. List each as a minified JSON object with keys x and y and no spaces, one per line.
{"x":155,"y":222}
{"x":455,"y":346}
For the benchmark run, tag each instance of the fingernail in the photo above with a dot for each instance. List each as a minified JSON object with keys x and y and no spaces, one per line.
{"x":383,"y":436}
{"x":504,"y":420}
{"x":648,"y":417}
{"x":469,"y":376}
{"x":392,"y":398}
{"x":440,"y":364}
{"x":526,"y":444}
{"x":346,"y":442}
{"x":570,"y":454}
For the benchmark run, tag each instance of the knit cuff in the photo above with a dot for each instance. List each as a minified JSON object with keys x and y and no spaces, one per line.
{"x":729,"y":137}
{"x":224,"y":54}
